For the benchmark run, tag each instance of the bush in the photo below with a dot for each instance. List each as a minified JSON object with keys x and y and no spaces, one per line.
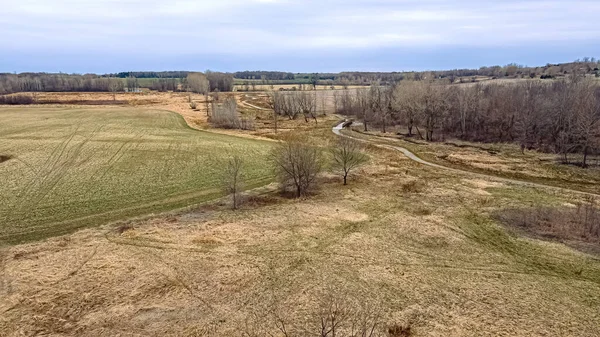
{"x":226,"y":116}
{"x":413,"y":186}
{"x":399,"y":331}
{"x":16,"y":100}
{"x":580,"y":223}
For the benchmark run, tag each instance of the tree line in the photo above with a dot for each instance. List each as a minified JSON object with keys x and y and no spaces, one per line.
{"x":561,"y":116}
{"x":264,"y":75}
{"x":10,"y":83}
{"x":43,"y":82}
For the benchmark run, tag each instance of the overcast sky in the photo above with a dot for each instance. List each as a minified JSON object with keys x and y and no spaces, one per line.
{"x":292,"y":35}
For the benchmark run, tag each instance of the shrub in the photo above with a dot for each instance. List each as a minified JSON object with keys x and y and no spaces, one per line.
{"x":16,"y":100}
{"x":226,"y":116}
{"x":413,"y":186}
{"x":399,"y":331}
{"x":580,"y":223}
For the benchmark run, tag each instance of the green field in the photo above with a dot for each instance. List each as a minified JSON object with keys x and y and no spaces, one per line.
{"x":71,"y":167}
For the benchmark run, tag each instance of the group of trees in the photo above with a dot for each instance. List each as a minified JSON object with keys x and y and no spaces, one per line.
{"x":150,"y":74}
{"x":297,"y":165}
{"x":197,"y":83}
{"x":264,"y":75}
{"x":225,"y":115}
{"x":560,"y":116}
{"x":294,"y":104}
{"x":219,"y":81}
{"x":10,"y":83}
{"x":42,"y":82}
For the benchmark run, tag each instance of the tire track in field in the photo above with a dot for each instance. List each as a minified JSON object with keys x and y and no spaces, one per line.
{"x":62,"y":169}
{"x":41,"y":175}
{"x":58,"y":169}
{"x":114,"y":159}
{"x":46,"y":163}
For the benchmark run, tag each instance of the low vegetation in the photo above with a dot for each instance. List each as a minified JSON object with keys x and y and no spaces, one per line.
{"x":575,"y":224}
{"x":226,"y":115}
{"x":75,"y":167}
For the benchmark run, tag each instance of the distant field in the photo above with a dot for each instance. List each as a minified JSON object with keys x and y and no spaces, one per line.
{"x":67,"y":168}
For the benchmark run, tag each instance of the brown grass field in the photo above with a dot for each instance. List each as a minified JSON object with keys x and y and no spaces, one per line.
{"x":402,"y":245}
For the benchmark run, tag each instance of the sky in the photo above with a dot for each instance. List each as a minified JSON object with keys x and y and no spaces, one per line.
{"x":106,"y":36}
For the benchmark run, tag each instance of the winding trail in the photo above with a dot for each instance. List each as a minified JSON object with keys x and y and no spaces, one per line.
{"x":338,"y":131}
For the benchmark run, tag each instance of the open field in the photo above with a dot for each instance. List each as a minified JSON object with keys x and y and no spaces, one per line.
{"x":403,"y":245}
{"x":430,"y":257}
{"x":76,"y":167}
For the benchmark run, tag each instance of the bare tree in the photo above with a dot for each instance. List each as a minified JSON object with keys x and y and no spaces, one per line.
{"x":587,"y":117}
{"x":297,"y":164}
{"x":407,"y":101}
{"x":233,"y":179}
{"x":273,"y":97}
{"x":347,"y":155}
{"x":198,"y":83}
{"x":132,"y":84}
{"x":307,"y":103}
{"x":115,"y":85}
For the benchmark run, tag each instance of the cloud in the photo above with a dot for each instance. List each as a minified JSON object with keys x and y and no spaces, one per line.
{"x":255,"y":28}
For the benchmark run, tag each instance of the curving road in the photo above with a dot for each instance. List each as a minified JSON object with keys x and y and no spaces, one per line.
{"x":338,"y":131}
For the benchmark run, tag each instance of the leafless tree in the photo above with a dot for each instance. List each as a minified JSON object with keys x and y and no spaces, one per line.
{"x":132,"y":84}
{"x":347,"y":155}
{"x":297,"y":164}
{"x":233,"y":178}
{"x":115,"y":85}
{"x":587,"y":123}
{"x":198,"y":83}
{"x":307,"y":103}
{"x":273,"y":97}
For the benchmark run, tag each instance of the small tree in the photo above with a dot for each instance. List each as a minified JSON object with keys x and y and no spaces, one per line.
{"x":233,"y":178}
{"x":347,"y":155}
{"x":297,"y":164}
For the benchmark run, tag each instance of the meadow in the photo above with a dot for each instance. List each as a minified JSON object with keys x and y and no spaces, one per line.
{"x":68,"y":168}
{"x":402,"y":245}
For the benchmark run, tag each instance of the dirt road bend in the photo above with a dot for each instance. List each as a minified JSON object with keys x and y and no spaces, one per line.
{"x":338,"y":131}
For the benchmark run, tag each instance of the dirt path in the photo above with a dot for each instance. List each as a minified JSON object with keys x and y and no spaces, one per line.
{"x":338,"y":131}
{"x":253,"y":106}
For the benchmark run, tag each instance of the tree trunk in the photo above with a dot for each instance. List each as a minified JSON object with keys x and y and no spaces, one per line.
{"x":298,"y":191}
{"x":419,"y":131}
{"x":345,"y":176}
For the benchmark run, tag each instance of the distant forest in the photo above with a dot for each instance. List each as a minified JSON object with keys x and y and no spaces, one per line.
{"x":177,"y":80}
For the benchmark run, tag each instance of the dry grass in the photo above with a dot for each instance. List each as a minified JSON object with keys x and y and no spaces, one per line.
{"x":501,"y":159}
{"x":577,"y":225}
{"x":216,"y":272}
{"x":428,"y":261}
